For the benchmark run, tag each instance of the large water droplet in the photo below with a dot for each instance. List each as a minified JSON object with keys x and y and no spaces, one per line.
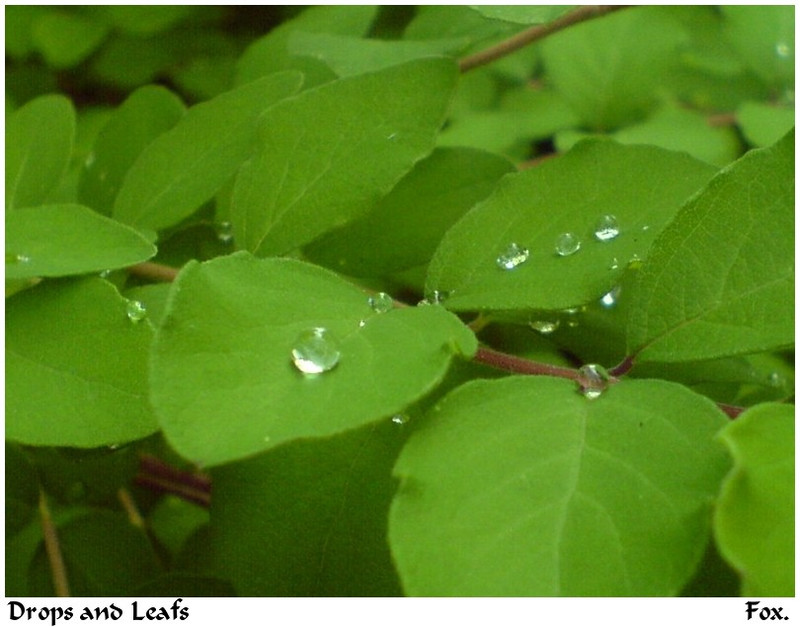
{"x":567,"y":244}
{"x":606,"y":229}
{"x":381,"y":302}
{"x":545,"y":327}
{"x":135,"y":310}
{"x":512,"y":256}
{"x":315,"y":351}
{"x":224,"y":232}
{"x":610,"y":299}
{"x":594,"y":380}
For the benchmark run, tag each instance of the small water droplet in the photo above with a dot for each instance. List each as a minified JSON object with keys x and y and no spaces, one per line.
{"x":224,"y":232}
{"x":646,"y":227}
{"x":572,"y":314}
{"x":135,"y":310}
{"x":512,"y":256}
{"x":436,"y":297}
{"x":606,"y":229}
{"x":614,"y":264}
{"x":392,"y":137}
{"x":610,"y":299}
{"x":775,"y":379}
{"x":90,"y":159}
{"x":315,"y":351}
{"x":567,"y":244}
{"x":381,"y":302}
{"x":105,"y":273}
{"x":545,"y":327}
{"x":635,"y":262}
{"x":12,"y":258}
{"x":594,"y":380}
{"x":399,"y":419}
{"x":783,"y":50}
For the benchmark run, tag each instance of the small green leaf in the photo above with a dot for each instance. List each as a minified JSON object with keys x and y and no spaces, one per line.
{"x":571,"y":194}
{"x":329,"y":154}
{"x":523,"y":487}
{"x":720,"y":279}
{"x":754,"y":523}
{"x":66,"y":39}
{"x":185,"y":166}
{"x":59,"y":240}
{"x":224,"y":384}
{"x":348,"y":56}
{"x":39,"y":138}
{"x":76,"y":367}
{"x":145,"y":19}
{"x":146,"y":113}
{"x":522,"y":14}
{"x":309,"y":518}
{"x":404,"y":228}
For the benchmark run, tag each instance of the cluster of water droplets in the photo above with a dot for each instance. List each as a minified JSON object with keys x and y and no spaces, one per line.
{"x":17,"y":258}
{"x":224,"y":232}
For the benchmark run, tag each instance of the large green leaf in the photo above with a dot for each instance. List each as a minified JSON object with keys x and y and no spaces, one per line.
{"x":76,"y":366}
{"x":66,"y":39}
{"x":39,"y":139}
{"x":146,"y":113}
{"x":330,"y":153}
{"x":223,"y":380}
{"x":755,"y":523}
{"x":185,"y":166}
{"x":309,"y":518}
{"x":522,"y":14}
{"x":404,"y":228}
{"x":610,"y":69}
{"x":565,"y":195}
{"x":59,"y":240}
{"x":524,"y":487}
{"x":720,"y":279}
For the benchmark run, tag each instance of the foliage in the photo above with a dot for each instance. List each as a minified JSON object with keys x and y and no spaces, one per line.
{"x":431,"y":321}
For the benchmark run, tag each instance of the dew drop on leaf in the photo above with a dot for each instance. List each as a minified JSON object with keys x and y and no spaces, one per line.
{"x":782,"y":49}
{"x":775,"y":379}
{"x":436,"y":297}
{"x":545,"y":327}
{"x":224,"y":232}
{"x":610,"y":298}
{"x":606,"y":229}
{"x":381,"y":302}
{"x":315,"y":351}
{"x":594,"y":380}
{"x":12,"y":258}
{"x":512,"y":256}
{"x":567,"y":244}
{"x":135,"y":310}
{"x":399,"y":419}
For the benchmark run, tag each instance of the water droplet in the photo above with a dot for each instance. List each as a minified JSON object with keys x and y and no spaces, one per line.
{"x":614,"y":264}
{"x":436,"y":297}
{"x":90,"y":159}
{"x":610,"y":299}
{"x":392,"y":137}
{"x":635,"y":262}
{"x":646,"y":227}
{"x":381,"y":302}
{"x":567,"y":244}
{"x":606,"y":229}
{"x":783,"y":50}
{"x":135,"y":310}
{"x":594,"y":380}
{"x":545,"y":327}
{"x":572,"y":314}
{"x":399,"y":419}
{"x":776,"y":380}
{"x":12,"y":258}
{"x":224,"y":232}
{"x":315,"y":351}
{"x":512,"y":257}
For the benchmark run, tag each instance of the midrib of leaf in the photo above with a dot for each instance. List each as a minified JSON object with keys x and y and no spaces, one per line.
{"x":15,"y":185}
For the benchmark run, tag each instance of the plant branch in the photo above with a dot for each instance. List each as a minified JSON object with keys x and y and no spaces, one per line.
{"x":520,"y":365}
{"x":52,"y":547}
{"x":155,"y":271}
{"x":158,"y":475}
{"x":535,"y":33}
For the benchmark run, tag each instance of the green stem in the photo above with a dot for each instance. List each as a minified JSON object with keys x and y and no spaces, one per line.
{"x":535,"y":33}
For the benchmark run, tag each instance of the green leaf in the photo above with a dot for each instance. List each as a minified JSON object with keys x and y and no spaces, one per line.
{"x":66,"y":39}
{"x":270,"y":52}
{"x":404,"y":228}
{"x":720,"y":279}
{"x":348,"y":56}
{"x":223,"y":382}
{"x":329,"y":154}
{"x":764,"y":38}
{"x":146,"y":113}
{"x":754,"y":523}
{"x":610,"y":69}
{"x":59,"y":240}
{"x":76,"y":367}
{"x":185,"y":166}
{"x":523,"y":487}
{"x":145,"y":19}
{"x":309,"y":518}
{"x":764,"y":124}
{"x":569,"y":194}
{"x":39,"y":139}
{"x":522,"y":14}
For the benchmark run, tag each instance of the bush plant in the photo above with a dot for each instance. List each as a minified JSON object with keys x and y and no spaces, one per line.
{"x":438,"y":300}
